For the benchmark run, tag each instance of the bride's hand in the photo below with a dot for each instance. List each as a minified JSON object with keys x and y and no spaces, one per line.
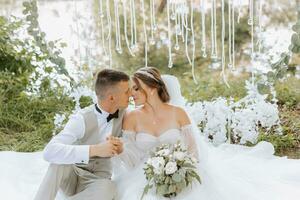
{"x":108,"y":148}
{"x":117,"y":142}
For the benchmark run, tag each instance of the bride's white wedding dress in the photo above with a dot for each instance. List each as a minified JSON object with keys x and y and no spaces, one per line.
{"x":228,"y":172}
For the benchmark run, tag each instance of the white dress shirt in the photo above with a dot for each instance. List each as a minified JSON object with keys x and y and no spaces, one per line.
{"x":61,"y":148}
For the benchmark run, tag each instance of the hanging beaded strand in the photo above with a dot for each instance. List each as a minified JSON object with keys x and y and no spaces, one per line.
{"x":125,"y":27}
{"x":117,"y":27}
{"x":203,"y":35}
{"x":145,"y":32}
{"x":229,"y":35}
{"x":239,"y":11}
{"x":193,"y":44}
{"x":251,"y":23}
{"x":260,"y":26}
{"x":152,"y":40}
{"x":77,"y":30}
{"x":134,"y":46}
{"x":233,"y":36}
{"x":170,"y":63}
{"x":102,"y":28}
{"x":177,"y":27}
{"x":214,"y":53}
{"x":223,"y":45}
{"x":109,"y":32}
{"x":187,"y":29}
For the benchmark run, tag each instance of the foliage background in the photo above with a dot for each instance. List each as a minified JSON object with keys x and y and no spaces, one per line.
{"x":27,"y":109}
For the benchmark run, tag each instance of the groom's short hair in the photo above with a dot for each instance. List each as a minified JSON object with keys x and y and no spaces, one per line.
{"x":106,"y":79}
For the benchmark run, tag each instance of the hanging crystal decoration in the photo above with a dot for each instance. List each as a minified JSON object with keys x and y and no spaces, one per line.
{"x":133,"y":44}
{"x":102,"y":28}
{"x":145,"y":32}
{"x":152,"y":21}
{"x":177,"y":28}
{"x":251,"y":23}
{"x":260,"y":26}
{"x":183,"y":25}
{"x":250,"y":19}
{"x":170,"y":63}
{"x":173,"y":14}
{"x":233,"y":36}
{"x":153,"y":15}
{"x":223,"y":45}
{"x":125,"y":27}
{"x":203,"y":47}
{"x":78,"y":35}
{"x":193,"y":44}
{"x":187,"y":29}
{"x":229,"y":35}
{"x":214,"y":48}
{"x":109,"y":32}
{"x":117,"y":27}
{"x":239,"y":11}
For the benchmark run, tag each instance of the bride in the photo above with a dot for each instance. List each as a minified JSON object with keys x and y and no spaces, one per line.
{"x":228,"y":172}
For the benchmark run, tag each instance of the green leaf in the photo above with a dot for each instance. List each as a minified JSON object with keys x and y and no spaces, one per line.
{"x":162,"y":189}
{"x":146,"y":189}
{"x":176,"y":177}
{"x":26,"y":4}
{"x":295,"y":39}
{"x":296,"y":28}
{"x":172,"y":189}
{"x":195,"y":175}
{"x":188,"y":165}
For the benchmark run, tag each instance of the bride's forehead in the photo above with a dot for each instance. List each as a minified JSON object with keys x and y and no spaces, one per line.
{"x":136,"y":83}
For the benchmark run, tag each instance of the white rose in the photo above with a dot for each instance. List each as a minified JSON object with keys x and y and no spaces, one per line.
{"x":149,"y":161}
{"x":194,"y":160}
{"x":171,"y":167}
{"x":157,"y":162}
{"x":163,"y":152}
{"x":158,"y":170}
{"x":179,"y":155}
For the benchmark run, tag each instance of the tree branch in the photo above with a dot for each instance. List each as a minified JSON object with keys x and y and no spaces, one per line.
{"x":162,"y":6}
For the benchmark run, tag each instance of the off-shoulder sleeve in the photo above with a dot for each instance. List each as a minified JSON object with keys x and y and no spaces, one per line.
{"x":189,"y":140}
{"x":131,"y":155}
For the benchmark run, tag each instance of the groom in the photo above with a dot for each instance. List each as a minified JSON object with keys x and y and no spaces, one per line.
{"x":80,"y":154}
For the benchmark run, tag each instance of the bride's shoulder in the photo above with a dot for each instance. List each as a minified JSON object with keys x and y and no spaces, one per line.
{"x":176,"y":109}
{"x":181,"y":115}
{"x":130,"y":119}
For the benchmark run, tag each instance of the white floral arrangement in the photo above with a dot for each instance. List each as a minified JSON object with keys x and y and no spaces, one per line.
{"x":169,"y":170}
{"x":225,"y":120}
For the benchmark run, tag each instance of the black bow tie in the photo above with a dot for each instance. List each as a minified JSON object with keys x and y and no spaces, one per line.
{"x":110,"y":116}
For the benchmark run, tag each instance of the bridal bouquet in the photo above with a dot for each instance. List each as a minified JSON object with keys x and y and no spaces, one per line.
{"x":170,"y":169}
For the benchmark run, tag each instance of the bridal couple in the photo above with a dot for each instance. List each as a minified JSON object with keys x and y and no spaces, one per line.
{"x":106,"y":138}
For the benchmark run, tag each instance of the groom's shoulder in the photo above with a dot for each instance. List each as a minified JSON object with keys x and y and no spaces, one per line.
{"x":87,"y":109}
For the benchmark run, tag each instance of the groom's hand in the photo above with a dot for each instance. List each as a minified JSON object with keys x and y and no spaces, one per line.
{"x":105,"y":149}
{"x":117,"y":142}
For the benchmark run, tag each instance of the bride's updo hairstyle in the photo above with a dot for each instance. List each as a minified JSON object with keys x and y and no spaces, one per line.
{"x":151,"y":77}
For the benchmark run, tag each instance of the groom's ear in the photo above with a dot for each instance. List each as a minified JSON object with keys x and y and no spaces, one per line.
{"x":111,"y":97}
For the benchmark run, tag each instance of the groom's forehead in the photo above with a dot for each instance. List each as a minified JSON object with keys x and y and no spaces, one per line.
{"x":124,"y":85}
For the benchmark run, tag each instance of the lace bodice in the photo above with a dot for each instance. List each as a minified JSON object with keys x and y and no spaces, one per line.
{"x":146,"y":142}
{"x":138,"y":145}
